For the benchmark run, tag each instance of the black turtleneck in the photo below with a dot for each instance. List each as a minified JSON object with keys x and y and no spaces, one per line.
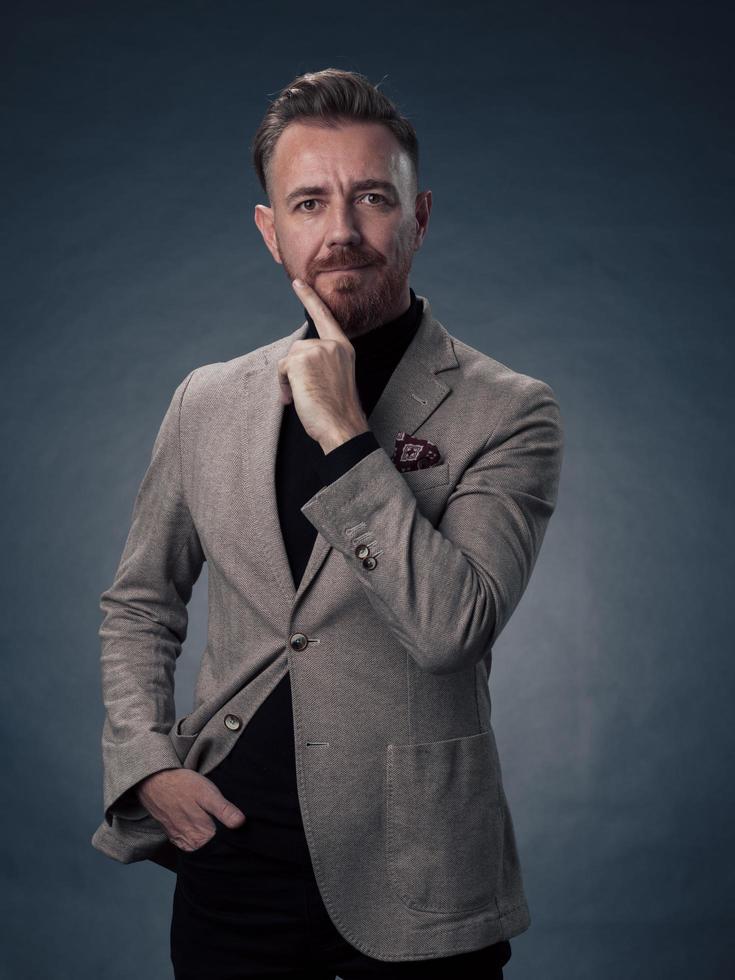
{"x":259,"y":774}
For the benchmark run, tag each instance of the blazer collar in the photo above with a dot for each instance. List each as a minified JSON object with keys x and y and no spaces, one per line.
{"x":413,"y":392}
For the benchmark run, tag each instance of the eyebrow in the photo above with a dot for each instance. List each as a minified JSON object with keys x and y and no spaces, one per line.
{"x":314,"y":190}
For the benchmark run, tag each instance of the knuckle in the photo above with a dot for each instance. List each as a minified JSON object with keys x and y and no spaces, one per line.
{"x":190,"y":844}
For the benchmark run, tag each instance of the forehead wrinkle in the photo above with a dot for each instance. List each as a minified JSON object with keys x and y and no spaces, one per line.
{"x":312,"y":166}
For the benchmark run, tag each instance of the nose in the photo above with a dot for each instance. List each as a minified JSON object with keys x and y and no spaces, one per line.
{"x":342,"y":228}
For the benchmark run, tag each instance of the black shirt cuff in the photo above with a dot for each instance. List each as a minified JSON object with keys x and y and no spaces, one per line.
{"x":336,"y":462}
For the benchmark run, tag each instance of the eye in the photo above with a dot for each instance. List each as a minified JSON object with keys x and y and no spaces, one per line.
{"x":312,"y":200}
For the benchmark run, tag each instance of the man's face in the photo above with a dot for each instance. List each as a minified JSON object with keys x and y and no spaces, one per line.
{"x":324,"y":217}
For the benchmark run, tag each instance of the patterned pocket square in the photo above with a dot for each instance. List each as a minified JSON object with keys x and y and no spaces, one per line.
{"x":412,"y":453}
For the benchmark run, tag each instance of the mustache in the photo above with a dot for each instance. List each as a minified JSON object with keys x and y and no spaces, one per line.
{"x":348,"y":258}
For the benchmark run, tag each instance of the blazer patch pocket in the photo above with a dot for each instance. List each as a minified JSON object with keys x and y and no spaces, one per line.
{"x":444,"y":823}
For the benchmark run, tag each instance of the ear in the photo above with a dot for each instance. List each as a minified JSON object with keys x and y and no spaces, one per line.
{"x":423,"y":210}
{"x":264,"y":220}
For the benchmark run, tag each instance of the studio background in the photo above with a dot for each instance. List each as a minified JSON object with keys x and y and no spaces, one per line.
{"x":580,"y":157}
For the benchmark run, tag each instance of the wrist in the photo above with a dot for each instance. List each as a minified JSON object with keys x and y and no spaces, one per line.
{"x":339,"y":435}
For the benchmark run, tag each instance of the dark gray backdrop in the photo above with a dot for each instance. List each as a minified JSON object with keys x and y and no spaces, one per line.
{"x":581,"y":161}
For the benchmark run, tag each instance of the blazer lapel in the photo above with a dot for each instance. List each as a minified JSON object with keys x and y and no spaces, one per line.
{"x":412,"y":393}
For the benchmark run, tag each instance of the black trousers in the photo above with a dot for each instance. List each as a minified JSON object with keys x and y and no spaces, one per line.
{"x":240,"y":913}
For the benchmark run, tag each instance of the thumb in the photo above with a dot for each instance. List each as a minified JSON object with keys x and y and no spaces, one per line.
{"x":230,"y":815}
{"x":217,"y":805}
{"x":221,"y":808}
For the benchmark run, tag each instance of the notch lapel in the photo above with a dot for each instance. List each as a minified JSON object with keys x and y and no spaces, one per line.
{"x":412,"y":393}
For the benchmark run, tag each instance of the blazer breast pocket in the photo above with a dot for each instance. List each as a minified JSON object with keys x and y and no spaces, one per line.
{"x":444,"y":823}
{"x":429,"y":476}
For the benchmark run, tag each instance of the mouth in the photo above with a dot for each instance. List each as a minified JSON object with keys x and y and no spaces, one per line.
{"x":347,"y":268}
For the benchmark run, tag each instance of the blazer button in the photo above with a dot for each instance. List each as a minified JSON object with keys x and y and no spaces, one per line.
{"x":298,"y":641}
{"x":232,"y":722}
{"x":370,"y":562}
{"x":362,"y":551}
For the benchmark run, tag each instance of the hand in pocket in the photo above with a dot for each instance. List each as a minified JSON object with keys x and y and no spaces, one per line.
{"x":184,"y":802}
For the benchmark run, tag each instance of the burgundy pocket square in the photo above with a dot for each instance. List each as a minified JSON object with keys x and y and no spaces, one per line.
{"x":411,"y":453}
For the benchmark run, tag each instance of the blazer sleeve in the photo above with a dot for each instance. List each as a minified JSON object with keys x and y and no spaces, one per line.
{"x":447,"y":592}
{"x":340,"y":459}
{"x":145,"y":624}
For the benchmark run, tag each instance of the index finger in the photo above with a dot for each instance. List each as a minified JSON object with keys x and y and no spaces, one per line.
{"x":326,"y":326}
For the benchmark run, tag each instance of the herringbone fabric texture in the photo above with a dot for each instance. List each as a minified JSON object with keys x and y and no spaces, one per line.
{"x":400,"y":784}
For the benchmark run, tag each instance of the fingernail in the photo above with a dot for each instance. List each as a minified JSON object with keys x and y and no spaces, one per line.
{"x":297,"y":283}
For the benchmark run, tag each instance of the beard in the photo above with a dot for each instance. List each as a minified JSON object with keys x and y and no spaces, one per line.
{"x":361,"y":301}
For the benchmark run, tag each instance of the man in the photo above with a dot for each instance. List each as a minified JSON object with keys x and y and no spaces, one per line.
{"x":371,"y":495}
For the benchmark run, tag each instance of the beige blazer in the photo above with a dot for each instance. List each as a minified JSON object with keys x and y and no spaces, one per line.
{"x":399,"y":780}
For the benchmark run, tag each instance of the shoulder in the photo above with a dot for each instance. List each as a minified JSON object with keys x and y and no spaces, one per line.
{"x":520,"y":412}
{"x":515,"y":389}
{"x":220,"y":380}
{"x":477,"y":375}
